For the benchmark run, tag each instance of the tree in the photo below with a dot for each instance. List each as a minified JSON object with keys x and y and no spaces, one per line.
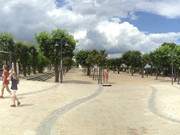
{"x":42,"y":62}
{"x":132,"y":59}
{"x":81,"y":59}
{"x":48,"y":42}
{"x":145,"y":60}
{"x":23,"y":56}
{"x":34,"y":56}
{"x":162,"y":58}
{"x":7,"y":44}
{"x":177,"y":62}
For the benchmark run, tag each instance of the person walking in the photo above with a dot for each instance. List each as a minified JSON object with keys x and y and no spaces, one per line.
{"x":106,"y":75}
{"x":5,"y":80}
{"x":14,"y":88}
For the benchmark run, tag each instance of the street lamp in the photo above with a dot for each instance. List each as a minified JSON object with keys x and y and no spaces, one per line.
{"x":61,"y":44}
{"x":172,"y":55}
{"x":172,"y":72}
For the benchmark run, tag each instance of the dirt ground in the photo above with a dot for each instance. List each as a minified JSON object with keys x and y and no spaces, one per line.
{"x":131,"y":106}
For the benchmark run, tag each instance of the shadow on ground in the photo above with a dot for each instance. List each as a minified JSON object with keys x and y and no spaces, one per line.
{"x":25,"y":105}
{"x":77,"y":82}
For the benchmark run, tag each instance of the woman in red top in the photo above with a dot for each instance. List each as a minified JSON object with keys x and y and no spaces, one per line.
{"x":5,"y":78}
{"x":106,"y":75}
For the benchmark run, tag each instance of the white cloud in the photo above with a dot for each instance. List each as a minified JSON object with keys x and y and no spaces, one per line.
{"x":95,"y":23}
{"x":81,"y":34}
{"x":124,"y":8}
{"x":120,"y":37}
{"x":167,"y":8}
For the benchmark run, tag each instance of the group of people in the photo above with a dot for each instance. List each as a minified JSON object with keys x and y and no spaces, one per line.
{"x":7,"y":76}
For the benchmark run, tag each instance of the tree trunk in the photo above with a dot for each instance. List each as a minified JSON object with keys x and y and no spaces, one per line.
{"x":118,"y":70}
{"x":15,"y":66}
{"x":100,"y":74}
{"x":20,"y":67}
{"x":157,"y":72}
{"x":34,"y":69}
{"x":49,"y":67}
{"x":29,"y":70}
{"x":132,"y":72}
{"x":175,"y":75}
{"x":88,"y":71}
{"x":93,"y":73}
{"x":142,"y":72}
{"x":114,"y":69}
{"x":24,"y":71}
{"x":56,"y":68}
{"x":147,"y":72}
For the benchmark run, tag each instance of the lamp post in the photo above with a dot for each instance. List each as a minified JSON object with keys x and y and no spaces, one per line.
{"x":61,"y":44}
{"x":61,"y":65}
{"x":172,"y":72}
{"x":172,"y":65}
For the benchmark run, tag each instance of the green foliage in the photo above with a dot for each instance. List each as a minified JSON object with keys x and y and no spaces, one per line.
{"x":42,"y":62}
{"x":56,"y":44}
{"x":91,"y":58}
{"x":145,"y":59}
{"x":34,"y":58}
{"x":81,"y":58}
{"x":132,"y":59}
{"x":162,"y":57}
{"x":114,"y":63}
{"x":48,"y":42}
{"x":6,"y":42}
{"x":23,"y":56}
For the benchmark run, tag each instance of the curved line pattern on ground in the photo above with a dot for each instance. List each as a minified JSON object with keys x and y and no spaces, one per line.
{"x":46,"y":126}
{"x":152,"y":107}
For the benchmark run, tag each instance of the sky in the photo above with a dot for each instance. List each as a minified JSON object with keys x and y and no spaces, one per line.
{"x":113,"y":25}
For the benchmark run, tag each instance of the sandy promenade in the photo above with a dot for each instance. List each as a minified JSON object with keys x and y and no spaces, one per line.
{"x":132,"y":106}
{"x":39,"y":100}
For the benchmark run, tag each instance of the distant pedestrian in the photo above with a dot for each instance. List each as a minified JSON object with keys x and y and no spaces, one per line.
{"x":106,"y":75}
{"x":14,"y":88}
{"x":5,"y":80}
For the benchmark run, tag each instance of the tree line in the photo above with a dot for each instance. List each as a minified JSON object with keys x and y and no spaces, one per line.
{"x":45,"y":52}
{"x":164,"y":61}
{"x":52,"y":47}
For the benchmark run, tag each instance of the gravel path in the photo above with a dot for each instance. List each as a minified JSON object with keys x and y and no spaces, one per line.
{"x":45,"y":127}
{"x":154,"y":108}
{"x":132,"y":106}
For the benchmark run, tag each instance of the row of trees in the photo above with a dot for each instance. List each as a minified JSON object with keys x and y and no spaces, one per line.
{"x":27,"y":56}
{"x":58,"y":45}
{"x":93,"y":61}
{"x":164,"y":61}
{"x":33,"y":58}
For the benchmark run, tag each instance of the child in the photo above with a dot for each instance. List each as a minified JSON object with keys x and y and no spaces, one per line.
{"x":5,"y":78}
{"x":14,"y":88}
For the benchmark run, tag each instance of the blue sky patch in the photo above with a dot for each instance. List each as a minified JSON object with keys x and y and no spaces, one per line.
{"x":152,"y":23}
{"x":61,"y":3}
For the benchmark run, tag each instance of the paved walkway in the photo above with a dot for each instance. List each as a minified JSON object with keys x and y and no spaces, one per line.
{"x":40,"y":101}
{"x":132,"y":106}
